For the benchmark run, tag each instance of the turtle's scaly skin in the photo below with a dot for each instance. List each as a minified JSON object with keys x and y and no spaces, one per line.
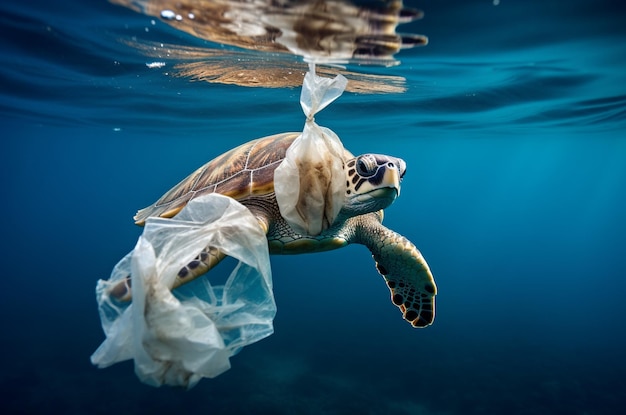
{"x":404,"y":269}
{"x":246,"y":174}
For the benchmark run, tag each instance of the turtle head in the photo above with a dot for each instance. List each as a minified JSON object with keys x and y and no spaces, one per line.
{"x":373,"y":182}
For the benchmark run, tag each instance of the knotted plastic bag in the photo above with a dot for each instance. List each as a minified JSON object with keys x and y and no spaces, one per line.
{"x":310,"y":181}
{"x":177,"y":340}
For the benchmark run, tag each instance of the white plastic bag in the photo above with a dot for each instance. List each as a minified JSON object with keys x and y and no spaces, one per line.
{"x":177,"y":340}
{"x":310,"y":181}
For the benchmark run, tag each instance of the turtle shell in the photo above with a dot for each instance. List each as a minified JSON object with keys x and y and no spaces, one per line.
{"x":245,"y":171}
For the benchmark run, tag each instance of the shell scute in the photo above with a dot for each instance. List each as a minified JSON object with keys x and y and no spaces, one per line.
{"x":237,"y":186}
{"x":262,"y":181}
{"x":239,"y":173}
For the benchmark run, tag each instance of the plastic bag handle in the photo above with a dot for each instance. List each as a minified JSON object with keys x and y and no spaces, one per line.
{"x":318,"y":93}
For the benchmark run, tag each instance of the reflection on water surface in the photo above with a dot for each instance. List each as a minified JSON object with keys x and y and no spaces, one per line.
{"x":269,"y":34}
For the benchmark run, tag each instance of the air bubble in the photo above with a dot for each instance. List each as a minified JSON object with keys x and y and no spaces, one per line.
{"x":168,"y":15}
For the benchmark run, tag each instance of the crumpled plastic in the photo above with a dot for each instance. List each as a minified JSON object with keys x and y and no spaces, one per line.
{"x":179,"y":339}
{"x":310,"y":182}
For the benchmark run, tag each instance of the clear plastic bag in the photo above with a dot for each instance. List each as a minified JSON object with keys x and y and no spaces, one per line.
{"x":310,"y":181}
{"x":177,"y":340}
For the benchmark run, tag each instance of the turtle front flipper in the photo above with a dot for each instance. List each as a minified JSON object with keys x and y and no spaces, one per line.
{"x":203,"y":263}
{"x":200,"y":265}
{"x":403,"y":267}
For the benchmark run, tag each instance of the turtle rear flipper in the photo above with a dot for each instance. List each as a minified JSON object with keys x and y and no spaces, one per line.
{"x":404,"y":269}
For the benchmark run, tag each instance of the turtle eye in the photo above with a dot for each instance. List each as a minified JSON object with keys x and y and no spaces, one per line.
{"x":366,"y":166}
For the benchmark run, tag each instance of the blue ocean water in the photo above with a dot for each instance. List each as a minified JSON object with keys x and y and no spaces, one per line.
{"x":513,"y":128}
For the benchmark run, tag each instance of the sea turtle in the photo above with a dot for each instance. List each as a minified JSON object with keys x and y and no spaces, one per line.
{"x":246,"y":173}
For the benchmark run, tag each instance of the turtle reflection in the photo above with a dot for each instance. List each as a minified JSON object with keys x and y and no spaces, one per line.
{"x":331,"y":32}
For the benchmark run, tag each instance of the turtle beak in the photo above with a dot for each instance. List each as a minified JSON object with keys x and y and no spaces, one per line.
{"x":392,"y":178}
{"x":394,"y":173}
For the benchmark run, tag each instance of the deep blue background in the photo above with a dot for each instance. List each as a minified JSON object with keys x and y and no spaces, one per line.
{"x":514,"y":132}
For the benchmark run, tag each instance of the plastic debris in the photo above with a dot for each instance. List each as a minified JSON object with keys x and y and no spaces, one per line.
{"x":179,"y":338}
{"x":310,"y":182}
